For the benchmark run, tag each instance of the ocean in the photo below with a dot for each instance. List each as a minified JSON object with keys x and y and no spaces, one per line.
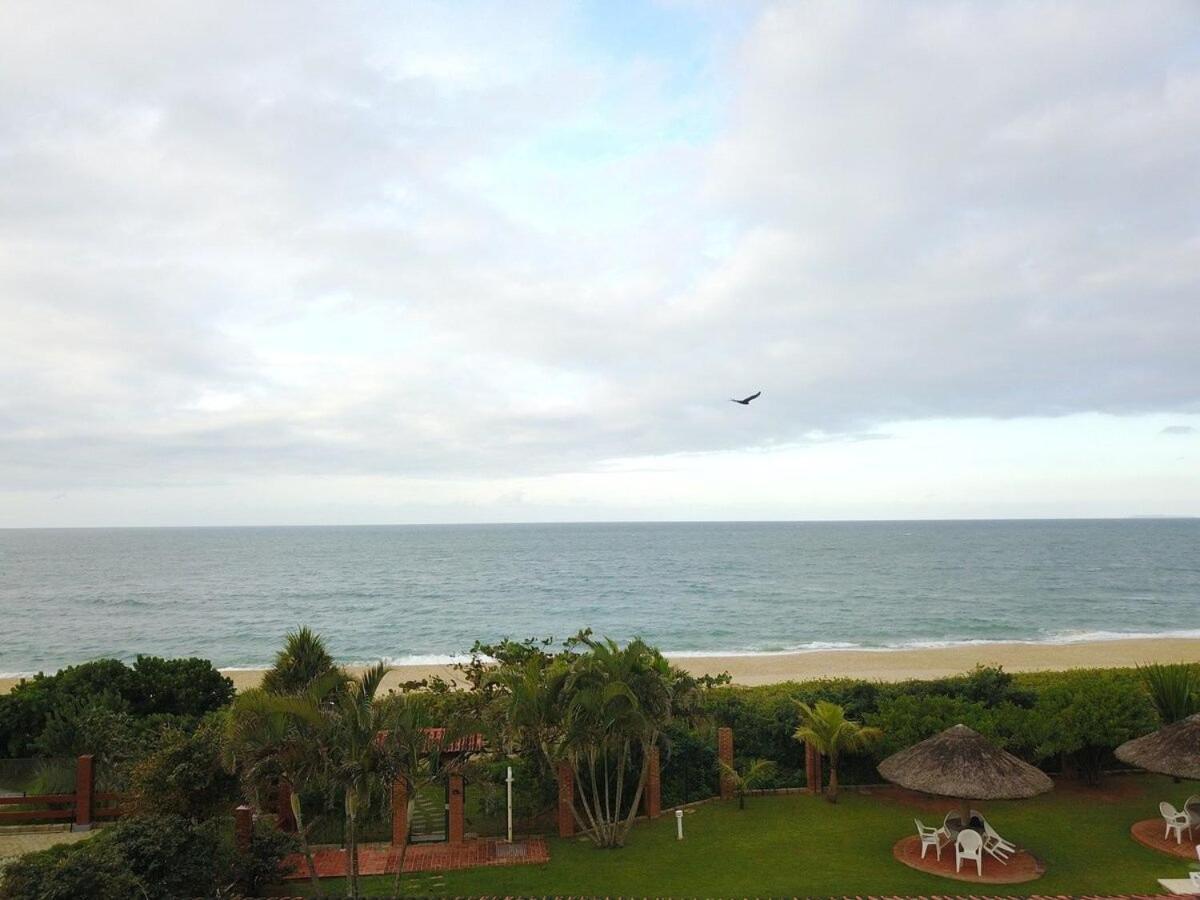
{"x":414,"y":594}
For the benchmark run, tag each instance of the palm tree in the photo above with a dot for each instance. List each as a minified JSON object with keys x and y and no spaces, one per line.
{"x":268,"y":736}
{"x":826,"y":727}
{"x":599,"y":709}
{"x":359,"y":761}
{"x":415,"y":748}
{"x":1174,"y":689}
{"x":751,"y":776}
{"x":303,"y":659}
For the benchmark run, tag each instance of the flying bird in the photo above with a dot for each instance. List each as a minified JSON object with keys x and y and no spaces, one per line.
{"x":746,"y":402}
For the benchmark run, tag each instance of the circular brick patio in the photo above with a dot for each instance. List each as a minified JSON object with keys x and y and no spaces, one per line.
{"x":1022,"y":865}
{"x":1149,"y":833}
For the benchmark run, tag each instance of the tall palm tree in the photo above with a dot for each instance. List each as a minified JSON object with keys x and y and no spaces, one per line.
{"x":269,"y":736}
{"x":826,"y":727}
{"x":416,"y":753}
{"x":751,"y":776}
{"x":599,"y":709}
{"x":359,"y":761}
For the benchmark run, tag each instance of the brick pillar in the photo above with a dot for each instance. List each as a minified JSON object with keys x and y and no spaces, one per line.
{"x":283,"y":807}
{"x":85,"y":792}
{"x":566,"y":801}
{"x":725,"y":754}
{"x":243,"y":828}
{"x":399,"y":812}
{"x":457,"y":804}
{"x":652,"y":796}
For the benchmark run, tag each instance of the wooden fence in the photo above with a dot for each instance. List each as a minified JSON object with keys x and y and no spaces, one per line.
{"x":82,"y":808}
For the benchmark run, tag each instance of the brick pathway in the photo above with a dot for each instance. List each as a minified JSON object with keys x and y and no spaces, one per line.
{"x":1022,"y":866}
{"x":1149,"y":832}
{"x":382,"y":859}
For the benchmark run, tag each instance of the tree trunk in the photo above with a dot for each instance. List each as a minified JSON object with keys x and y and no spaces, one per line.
{"x":306,"y":848}
{"x":352,"y":861}
{"x":833,"y":782}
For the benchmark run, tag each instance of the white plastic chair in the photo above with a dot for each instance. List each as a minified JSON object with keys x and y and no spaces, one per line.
{"x":993,"y":843}
{"x":937,"y":838}
{"x":968,"y":846}
{"x":1191,"y":808}
{"x":1175,"y":821}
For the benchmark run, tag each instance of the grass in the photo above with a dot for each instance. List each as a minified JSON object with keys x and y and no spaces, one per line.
{"x":797,"y":844}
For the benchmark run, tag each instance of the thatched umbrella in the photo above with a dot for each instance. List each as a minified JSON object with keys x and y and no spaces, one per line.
{"x":1172,"y":750}
{"x":963,"y":764}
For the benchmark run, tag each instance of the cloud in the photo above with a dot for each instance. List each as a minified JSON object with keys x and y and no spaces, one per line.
{"x":1178,"y":430}
{"x":469,"y":242}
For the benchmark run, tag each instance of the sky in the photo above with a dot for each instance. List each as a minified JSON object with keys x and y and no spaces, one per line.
{"x":311,"y":263}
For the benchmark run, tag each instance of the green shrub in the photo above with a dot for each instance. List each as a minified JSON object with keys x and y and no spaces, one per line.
{"x":1174,"y":689}
{"x":263,"y":865}
{"x":1085,"y":715}
{"x":153,"y":688}
{"x":689,"y":768}
{"x":184,"y":775}
{"x":91,"y":868}
{"x":152,"y":857}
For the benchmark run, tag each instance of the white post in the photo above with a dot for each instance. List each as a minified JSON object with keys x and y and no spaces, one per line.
{"x":509,"y":779}
{"x":679,"y":824}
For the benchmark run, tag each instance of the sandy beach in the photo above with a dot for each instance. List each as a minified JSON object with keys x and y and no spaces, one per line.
{"x":880,"y":665}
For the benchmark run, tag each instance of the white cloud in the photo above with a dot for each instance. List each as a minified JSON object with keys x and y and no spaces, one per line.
{"x":460,"y":243}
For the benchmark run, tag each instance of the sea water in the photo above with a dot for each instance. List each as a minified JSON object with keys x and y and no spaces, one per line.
{"x":426,"y":593}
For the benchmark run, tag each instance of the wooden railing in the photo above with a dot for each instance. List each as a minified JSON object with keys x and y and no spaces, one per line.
{"x":82,"y":807}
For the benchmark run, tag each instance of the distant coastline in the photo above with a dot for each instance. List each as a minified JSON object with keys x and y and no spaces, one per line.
{"x":879,"y":664}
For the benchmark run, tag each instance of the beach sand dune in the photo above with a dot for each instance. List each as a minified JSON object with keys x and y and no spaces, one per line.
{"x":876,"y":665}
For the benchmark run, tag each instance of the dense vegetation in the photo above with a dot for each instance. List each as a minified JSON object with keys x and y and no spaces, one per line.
{"x":171,"y":735}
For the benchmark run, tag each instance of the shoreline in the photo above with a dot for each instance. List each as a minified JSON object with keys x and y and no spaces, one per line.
{"x":898,"y":664}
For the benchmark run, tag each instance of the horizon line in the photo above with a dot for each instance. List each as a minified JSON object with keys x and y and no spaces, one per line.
{"x":511,"y":523}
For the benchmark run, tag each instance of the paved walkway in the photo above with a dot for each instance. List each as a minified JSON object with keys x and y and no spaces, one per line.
{"x":1022,"y":866}
{"x":382,"y":859}
{"x":1149,"y":832}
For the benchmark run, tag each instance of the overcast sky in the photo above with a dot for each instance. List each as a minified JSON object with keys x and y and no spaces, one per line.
{"x":335,"y":263}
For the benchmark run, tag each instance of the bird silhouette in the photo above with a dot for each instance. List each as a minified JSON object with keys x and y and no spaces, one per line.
{"x":746,"y":402}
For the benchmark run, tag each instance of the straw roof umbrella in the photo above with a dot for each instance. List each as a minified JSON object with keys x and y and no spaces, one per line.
{"x":961,"y":763}
{"x":1172,"y":750}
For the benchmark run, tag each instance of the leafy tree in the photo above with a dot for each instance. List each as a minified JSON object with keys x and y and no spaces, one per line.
{"x":751,"y":776}
{"x":179,"y":687}
{"x":303,"y":659}
{"x":272,"y":736}
{"x":1084,"y":715}
{"x":183,"y":774}
{"x":826,"y":727}
{"x":1174,"y":689}
{"x":599,"y":708}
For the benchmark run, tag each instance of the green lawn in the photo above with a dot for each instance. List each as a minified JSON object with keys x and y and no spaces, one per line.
{"x":800,"y":845}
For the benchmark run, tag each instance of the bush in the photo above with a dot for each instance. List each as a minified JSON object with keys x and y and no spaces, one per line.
{"x":1085,"y":715}
{"x":153,"y":687}
{"x":154,"y":857}
{"x":689,"y":767}
{"x":263,"y":865}
{"x":184,"y":775}
{"x":92,"y":869}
